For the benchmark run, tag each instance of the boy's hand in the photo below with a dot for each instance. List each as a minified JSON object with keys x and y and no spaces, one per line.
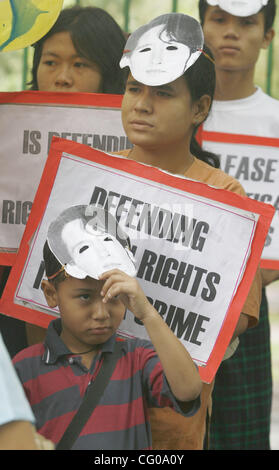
{"x":117,"y":283}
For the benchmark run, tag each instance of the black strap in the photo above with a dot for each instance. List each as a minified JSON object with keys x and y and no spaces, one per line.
{"x":90,"y":400}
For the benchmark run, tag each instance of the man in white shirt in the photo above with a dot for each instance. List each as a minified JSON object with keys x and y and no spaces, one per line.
{"x":236,"y":32}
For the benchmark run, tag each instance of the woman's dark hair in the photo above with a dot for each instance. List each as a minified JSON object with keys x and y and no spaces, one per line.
{"x":200,"y":79}
{"x":269,"y":12}
{"x":95,"y":36}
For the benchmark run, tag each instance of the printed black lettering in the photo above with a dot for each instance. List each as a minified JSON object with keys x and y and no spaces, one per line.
{"x":267,"y":198}
{"x":158,"y":269}
{"x":99,"y":143}
{"x":185,"y":230}
{"x":25,"y":147}
{"x":112,"y":143}
{"x":86,"y":138}
{"x":196,"y":284}
{"x":243,"y":169}
{"x":99,"y":196}
{"x":199,"y":241}
{"x":167,"y":277}
{"x":121,"y":208}
{"x":147,"y":265}
{"x":112,"y":202}
{"x":8,"y":215}
{"x":35,"y":145}
{"x":26,"y":209}
{"x":183,"y":276}
{"x":198,"y":329}
{"x":147,"y":219}
{"x":269,"y":170}
{"x":183,"y":327}
{"x":228,"y":163}
{"x":133,"y":213}
{"x":210,"y":293}
{"x":15,"y":212}
{"x":162,"y":223}
{"x":18,"y":213}
{"x":258,"y":174}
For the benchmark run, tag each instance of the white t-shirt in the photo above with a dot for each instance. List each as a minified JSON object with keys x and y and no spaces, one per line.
{"x":13,"y":403}
{"x":256,"y":115}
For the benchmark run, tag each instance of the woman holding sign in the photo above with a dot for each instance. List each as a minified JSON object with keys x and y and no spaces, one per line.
{"x":161,"y":114}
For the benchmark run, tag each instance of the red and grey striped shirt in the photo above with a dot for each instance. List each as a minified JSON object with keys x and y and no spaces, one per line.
{"x":55,"y":382}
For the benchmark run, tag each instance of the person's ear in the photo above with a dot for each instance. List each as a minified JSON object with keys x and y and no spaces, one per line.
{"x":50,"y":293}
{"x":201,"y":109}
{"x":268,"y":37}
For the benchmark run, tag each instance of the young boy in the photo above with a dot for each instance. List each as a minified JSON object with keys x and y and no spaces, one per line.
{"x":92,"y":303}
{"x":161,"y":121}
{"x":236,"y":34}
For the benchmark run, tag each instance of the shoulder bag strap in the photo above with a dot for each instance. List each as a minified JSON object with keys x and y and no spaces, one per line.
{"x":90,"y":400}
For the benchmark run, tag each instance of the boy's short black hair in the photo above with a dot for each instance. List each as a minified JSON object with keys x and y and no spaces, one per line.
{"x":269,"y":12}
{"x":52,"y":266}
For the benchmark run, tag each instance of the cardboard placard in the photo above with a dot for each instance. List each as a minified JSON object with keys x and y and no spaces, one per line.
{"x":28,"y":122}
{"x":254,"y":162}
{"x":197,"y":247}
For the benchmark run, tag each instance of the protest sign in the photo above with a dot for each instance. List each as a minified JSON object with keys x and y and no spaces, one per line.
{"x":28,"y":122}
{"x":197,"y":248}
{"x":254,"y":162}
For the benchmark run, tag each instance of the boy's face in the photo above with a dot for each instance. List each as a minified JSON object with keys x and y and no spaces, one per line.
{"x":157,"y":116}
{"x":235,"y":41}
{"x":86,"y":320}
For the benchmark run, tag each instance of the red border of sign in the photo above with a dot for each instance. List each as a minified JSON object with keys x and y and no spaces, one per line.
{"x":69,"y":98}
{"x":52,"y":98}
{"x":58,"y":146}
{"x":223,"y":137}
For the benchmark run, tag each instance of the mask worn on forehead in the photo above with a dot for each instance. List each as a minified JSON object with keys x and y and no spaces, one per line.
{"x":160,"y":52}
{"x":85,"y":246}
{"x":239,"y":7}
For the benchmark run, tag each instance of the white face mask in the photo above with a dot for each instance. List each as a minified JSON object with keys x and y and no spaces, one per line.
{"x":239,"y":7}
{"x":157,"y":58}
{"x":157,"y":61}
{"x":89,"y":250}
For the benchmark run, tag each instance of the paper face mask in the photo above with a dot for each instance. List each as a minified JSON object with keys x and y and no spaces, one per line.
{"x":161,"y":51}
{"x":87,"y":241}
{"x":239,"y":7}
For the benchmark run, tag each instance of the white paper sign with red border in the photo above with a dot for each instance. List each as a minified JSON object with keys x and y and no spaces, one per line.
{"x":197,"y":248}
{"x":254,"y":162}
{"x":28,"y":122}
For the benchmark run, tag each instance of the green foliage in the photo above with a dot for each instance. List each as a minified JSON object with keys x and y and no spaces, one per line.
{"x":140,"y":11}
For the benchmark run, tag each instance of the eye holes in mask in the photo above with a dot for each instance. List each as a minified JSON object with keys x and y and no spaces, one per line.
{"x":169,"y":48}
{"x":85,"y":247}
